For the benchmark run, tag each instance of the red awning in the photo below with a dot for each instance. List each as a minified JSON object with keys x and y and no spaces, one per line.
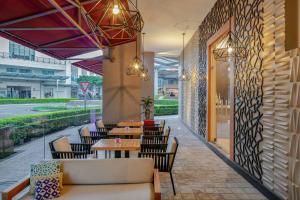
{"x":92,"y":64}
{"x":61,"y":28}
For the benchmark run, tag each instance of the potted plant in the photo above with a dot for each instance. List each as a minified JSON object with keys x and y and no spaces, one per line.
{"x":147,"y":103}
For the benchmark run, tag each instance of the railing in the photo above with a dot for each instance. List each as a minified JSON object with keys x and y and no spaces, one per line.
{"x":36,"y":59}
{"x":33,"y":75}
{"x":25,"y":130}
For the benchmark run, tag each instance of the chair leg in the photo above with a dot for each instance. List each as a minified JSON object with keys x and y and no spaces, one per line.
{"x":172,"y":183}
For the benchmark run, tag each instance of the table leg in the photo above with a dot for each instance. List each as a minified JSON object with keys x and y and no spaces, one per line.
{"x":127,"y":154}
{"x":117,"y":154}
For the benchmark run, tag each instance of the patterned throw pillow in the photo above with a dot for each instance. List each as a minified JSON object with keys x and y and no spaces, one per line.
{"x":47,"y":189}
{"x":35,"y":179}
{"x":42,"y":170}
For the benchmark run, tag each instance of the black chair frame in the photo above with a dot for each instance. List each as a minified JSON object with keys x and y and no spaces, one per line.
{"x":161,"y":158}
{"x":79,"y":151}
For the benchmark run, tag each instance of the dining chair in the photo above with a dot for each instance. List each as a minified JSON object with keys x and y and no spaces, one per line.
{"x":163,"y":156}
{"x":155,"y":129}
{"x":61,"y":149}
{"x":157,"y":139}
{"x":91,"y":137}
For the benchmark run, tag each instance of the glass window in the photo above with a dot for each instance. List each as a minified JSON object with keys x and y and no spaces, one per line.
{"x":25,"y":71}
{"x":11,"y":69}
{"x":48,"y":72}
{"x":21,"y":52}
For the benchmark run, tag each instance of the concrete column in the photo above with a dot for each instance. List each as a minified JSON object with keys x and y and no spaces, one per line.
{"x":148,"y":86}
{"x":79,"y":72}
{"x":68,"y":72}
{"x":121,"y":93}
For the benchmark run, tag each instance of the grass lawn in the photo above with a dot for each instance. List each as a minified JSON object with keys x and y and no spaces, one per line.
{"x":28,"y":101}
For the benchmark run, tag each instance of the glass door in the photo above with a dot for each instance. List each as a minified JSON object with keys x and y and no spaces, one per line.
{"x":222,"y":108}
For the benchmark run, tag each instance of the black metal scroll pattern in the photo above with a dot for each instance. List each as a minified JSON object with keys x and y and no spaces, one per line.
{"x":248,"y":85}
{"x":211,"y":24}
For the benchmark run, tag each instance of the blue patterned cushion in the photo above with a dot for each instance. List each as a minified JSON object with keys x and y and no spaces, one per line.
{"x":42,"y":170}
{"x":47,"y":189}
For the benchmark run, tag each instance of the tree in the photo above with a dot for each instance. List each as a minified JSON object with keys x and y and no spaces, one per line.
{"x":94,"y":80}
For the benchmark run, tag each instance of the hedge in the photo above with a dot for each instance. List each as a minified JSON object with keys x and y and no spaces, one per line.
{"x":24,"y":128}
{"x":160,"y":110}
{"x":24,"y":101}
{"x":165,"y":102}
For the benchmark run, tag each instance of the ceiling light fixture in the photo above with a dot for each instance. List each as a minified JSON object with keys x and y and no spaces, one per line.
{"x":135,"y":68}
{"x":183,"y":76}
{"x":230,"y":48}
{"x":116,"y":9}
{"x":116,"y":20}
{"x":144,"y":72}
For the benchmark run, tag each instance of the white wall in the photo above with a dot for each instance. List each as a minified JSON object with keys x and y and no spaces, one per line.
{"x":4,"y":45}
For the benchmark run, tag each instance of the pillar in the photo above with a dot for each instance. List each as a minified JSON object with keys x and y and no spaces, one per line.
{"x":121,"y":93}
{"x":148,"y":86}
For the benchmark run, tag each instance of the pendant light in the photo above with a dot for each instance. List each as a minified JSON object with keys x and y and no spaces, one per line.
{"x":184,"y":76}
{"x":144,"y":71}
{"x":135,"y":67}
{"x":116,"y":9}
{"x":231,"y":47}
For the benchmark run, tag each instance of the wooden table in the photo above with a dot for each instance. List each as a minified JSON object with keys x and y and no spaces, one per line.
{"x":130,"y":124}
{"x":112,"y":145}
{"x":126,"y":131}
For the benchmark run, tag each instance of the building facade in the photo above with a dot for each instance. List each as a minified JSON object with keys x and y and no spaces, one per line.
{"x":25,"y":73}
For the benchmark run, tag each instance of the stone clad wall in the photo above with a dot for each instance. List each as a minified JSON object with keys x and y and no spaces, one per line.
{"x":281,"y":120}
{"x":189,"y":98}
{"x":267,"y":94}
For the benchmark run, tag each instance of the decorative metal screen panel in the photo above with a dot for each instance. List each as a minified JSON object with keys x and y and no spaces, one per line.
{"x":248,"y":79}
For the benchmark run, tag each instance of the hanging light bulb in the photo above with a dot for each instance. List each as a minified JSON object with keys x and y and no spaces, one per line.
{"x":144,"y":72}
{"x":116,"y":9}
{"x":183,"y":76}
{"x":231,"y":47}
{"x":135,"y":67}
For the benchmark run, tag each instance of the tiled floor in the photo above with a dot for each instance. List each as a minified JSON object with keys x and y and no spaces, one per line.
{"x":199,"y":174}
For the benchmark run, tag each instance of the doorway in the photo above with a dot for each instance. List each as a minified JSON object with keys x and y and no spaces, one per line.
{"x":220,"y":97}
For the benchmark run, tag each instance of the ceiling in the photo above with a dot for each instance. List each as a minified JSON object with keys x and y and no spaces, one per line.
{"x":166,"y":20}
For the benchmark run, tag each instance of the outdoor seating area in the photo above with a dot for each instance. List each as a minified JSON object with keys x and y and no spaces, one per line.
{"x":128,"y":138}
{"x":150,"y":99}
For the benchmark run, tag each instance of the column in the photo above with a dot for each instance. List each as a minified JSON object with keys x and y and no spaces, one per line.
{"x":121,"y":93}
{"x":148,"y":86}
{"x":68,"y":72}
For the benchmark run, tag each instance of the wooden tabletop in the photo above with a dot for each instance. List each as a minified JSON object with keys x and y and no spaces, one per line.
{"x":130,"y":124}
{"x":112,"y":145}
{"x":126,"y":131}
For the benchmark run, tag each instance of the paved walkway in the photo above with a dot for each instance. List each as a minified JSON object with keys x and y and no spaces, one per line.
{"x":198,"y":173}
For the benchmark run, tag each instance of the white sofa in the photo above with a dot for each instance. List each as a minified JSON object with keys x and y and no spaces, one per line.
{"x":105,"y":179}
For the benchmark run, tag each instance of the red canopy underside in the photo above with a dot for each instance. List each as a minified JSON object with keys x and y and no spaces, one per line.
{"x":94,"y":65}
{"x":56,"y":27}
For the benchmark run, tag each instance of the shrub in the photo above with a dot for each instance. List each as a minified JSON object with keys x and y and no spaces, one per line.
{"x":24,"y":128}
{"x":160,"y":110}
{"x":23,"y":101}
{"x":165,"y":102}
